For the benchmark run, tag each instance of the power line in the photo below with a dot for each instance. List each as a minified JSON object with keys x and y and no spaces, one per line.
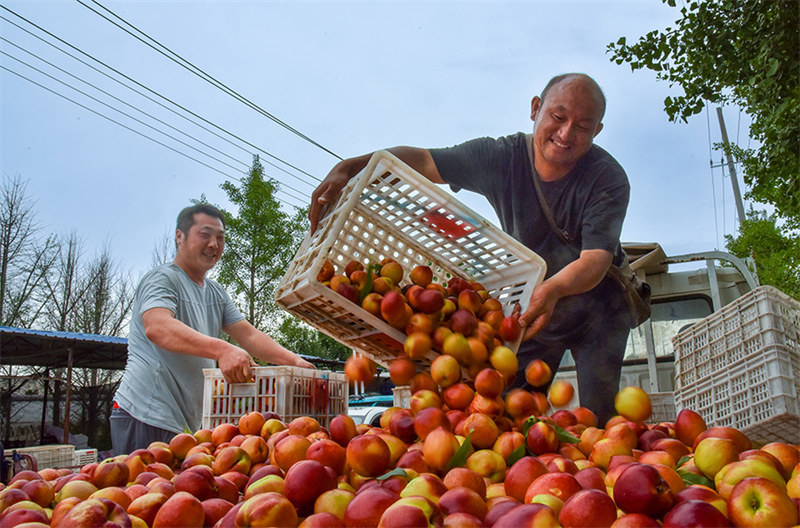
{"x":175,"y":57}
{"x":128,"y":115}
{"x":134,"y":130}
{"x":259,"y":149}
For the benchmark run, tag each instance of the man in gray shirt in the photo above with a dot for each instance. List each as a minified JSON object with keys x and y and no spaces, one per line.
{"x":178,"y":315}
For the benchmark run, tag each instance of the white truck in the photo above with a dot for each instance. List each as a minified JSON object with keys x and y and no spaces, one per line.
{"x":679,"y":299}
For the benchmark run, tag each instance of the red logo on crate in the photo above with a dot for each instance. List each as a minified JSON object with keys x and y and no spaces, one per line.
{"x":320,"y":397}
{"x":449,"y":225}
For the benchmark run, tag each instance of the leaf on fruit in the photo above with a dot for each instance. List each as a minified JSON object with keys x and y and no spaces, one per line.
{"x":515,"y":455}
{"x":367,"y":288}
{"x":692,"y":478}
{"x":683,"y":460}
{"x":460,"y":457}
{"x":396,"y":472}
{"x":563,"y":436}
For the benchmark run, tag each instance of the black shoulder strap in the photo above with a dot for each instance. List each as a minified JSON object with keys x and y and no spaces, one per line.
{"x":562,"y":233}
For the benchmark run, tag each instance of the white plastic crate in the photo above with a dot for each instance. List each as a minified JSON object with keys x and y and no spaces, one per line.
{"x":290,"y":392}
{"x":402,"y":396}
{"x":389,"y":210}
{"x":663,"y":407}
{"x":81,"y":457}
{"x":740,"y":366}
{"x":49,"y":456}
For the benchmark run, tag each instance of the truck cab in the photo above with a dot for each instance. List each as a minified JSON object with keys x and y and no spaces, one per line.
{"x":680,"y":298}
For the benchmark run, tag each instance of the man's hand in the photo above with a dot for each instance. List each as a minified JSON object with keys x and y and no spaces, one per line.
{"x":329,"y":190}
{"x":236,"y":364}
{"x":540,"y":309}
{"x":304,"y":364}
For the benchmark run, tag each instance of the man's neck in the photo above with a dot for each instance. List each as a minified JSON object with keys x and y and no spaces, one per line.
{"x":550,"y":173}
{"x":198,"y":277}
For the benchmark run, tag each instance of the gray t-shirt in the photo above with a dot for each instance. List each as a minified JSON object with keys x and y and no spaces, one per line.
{"x":589,"y":202}
{"x":161,"y":388}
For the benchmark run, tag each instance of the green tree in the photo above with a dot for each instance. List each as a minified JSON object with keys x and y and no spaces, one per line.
{"x":745,"y":53}
{"x":777,"y":257}
{"x":303,"y":339}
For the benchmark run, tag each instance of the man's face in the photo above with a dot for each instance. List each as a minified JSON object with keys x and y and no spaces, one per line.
{"x":202,"y":246}
{"x":566,"y":123}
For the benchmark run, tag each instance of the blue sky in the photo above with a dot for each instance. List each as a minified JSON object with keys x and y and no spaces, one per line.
{"x":354,"y":77}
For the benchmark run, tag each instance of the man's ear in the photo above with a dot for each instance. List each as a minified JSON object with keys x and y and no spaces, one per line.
{"x":598,"y":129}
{"x":536,"y":103}
{"x":178,"y":236}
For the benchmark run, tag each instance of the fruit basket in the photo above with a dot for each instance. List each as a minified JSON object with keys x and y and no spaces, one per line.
{"x":49,"y":456}
{"x":663,"y":407}
{"x":389,"y":210}
{"x":740,"y":366}
{"x":290,"y":392}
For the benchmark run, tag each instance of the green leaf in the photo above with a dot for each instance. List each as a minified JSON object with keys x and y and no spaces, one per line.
{"x":396,"y":472}
{"x":621,"y":41}
{"x":515,"y":455}
{"x":367,"y":288}
{"x":683,"y":460}
{"x":692,"y":478}
{"x":561,"y":433}
{"x":460,"y":457}
{"x":773,"y":67}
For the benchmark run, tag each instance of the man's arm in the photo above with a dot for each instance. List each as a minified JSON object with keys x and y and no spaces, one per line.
{"x":328,"y":191}
{"x":164,"y":330}
{"x":263,"y":347}
{"x":577,"y":277}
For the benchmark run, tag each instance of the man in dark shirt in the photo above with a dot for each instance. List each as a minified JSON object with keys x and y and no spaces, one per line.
{"x":576,"y":307}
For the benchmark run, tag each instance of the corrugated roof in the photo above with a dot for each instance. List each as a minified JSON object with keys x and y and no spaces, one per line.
{"x":24,"y":346}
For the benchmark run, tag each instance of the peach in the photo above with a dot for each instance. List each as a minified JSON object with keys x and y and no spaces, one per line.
{"x":633,"y":403}
{"x":605,"y":448}
{"x":342,"y":429}
{"x":214,"y":510}
{"x":438,"y":448}
{"x":251,"y":423}
{"x":265,"y":509}
{"x":401,"y":425}
{"x":488,"y":406}
{"x":508,"y":443}
{"x":458,"y":396}
{"x":305,"y":481}
{"x":466,"y":478}
{"x":417,"y":345}
{"x":75,"y":488}
{"x":265,"y":484}
{"x":505,"y":360}
{"x":368,"y":455}
{"x":401,"y":370}
{"x":731,"y":474}
{"x":222,"y":433}
{"x":541,"y":438}
{"x":372,"y":303}
{"x":359,"y":369}
{"x":367,"y":507}
{"x":146,"y":506}
{"x":560,"y":393}
{"x":197,"y":459}
{"x":520,"y":403}
{"x":758,"y":501}
{"x":510,"y":329}
{"x":483,"y":428}
{"x":198,"y":481}
{"x":414,"y":460}
{"x":445,"y":370}
{"x":588,"y":507}
{"x":721,"y":431}
{"x":712,"y":454}
{"x":334,"y":502}
{"x":787,"y":455}
{"x":527,"y":515}
{"x":520,"y":475}
{"x":463,"y":321}
{"x":463,"y":500}
{"x":326,"y":271}
{"x":489,"y":383}
{"x":429,"y":301}
{"x":428,"y":419}
{"x":423,"y":399}
{"x":393,"y":309}
{"x":328,"y":453}
{"x":487,"y":463}
{"x":425,"y":485}
{"x":456,"y":345}
{"x":291,"y":449}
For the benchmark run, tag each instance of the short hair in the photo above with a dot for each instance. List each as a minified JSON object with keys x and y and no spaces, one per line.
{"x":569,"y":76}
{"x":186,"y":216}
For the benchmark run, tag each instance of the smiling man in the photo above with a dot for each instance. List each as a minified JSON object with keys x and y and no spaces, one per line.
{"x":177,"y":318}
{"x":576,"y":307}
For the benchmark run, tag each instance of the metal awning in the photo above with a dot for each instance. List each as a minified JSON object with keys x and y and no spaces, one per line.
{"x":22,"y":346}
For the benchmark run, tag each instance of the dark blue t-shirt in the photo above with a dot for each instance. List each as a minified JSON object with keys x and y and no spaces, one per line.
{"x":589,"y":203}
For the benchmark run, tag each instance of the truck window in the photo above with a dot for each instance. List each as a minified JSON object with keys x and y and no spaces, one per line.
{"x":668,"y":318}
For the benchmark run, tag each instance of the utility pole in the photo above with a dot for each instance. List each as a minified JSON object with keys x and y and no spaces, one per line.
{"x":734,"y":179}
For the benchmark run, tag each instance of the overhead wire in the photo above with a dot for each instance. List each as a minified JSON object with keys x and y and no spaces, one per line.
{"x":100,"y":114}
{"x":245,"y":165}
{"x":157,"y":94}
{"x":178,"y":59}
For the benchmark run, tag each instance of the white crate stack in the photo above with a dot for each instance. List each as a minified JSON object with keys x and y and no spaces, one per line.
{"x":740,"y":366}
{"x":389,"y":210}
{"x":49,"y":456}
{"x":290,"y":392}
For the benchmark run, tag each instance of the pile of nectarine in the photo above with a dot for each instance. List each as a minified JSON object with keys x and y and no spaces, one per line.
{"x":430,"y":465}
{"x":459,"y":318}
